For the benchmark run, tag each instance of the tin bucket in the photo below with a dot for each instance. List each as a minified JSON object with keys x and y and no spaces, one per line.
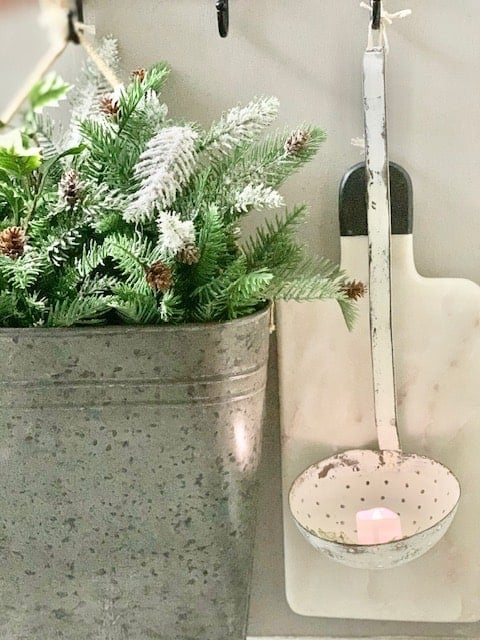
{"x":128,"y":473}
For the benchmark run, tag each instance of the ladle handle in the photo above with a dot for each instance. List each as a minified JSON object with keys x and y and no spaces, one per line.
{"x":378,"y":218}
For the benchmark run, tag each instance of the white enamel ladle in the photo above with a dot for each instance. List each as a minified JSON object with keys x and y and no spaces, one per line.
{"x":325,"y":498}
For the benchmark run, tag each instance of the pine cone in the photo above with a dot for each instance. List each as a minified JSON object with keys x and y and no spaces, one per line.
{"x":189,"y":254}
{"x":70,"y":187}
{"x":297,"y":142}
{"x":354,"y":290}
{"x":12,"y":242}
{"x":138,"y":74}
{"x":159,"y":276}
{"x":109,"y":105}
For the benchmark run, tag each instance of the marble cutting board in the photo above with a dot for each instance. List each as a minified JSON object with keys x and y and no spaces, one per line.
{"x":326,"y":401}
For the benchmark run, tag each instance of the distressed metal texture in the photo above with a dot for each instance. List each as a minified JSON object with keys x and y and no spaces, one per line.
{"x":353,"y":201}
{"x":325,"y":498}
{"x":129,"y":460}
{"x":378,"y":216}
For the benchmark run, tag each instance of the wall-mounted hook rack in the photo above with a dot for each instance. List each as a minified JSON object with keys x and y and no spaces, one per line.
{"x":222,"y":17}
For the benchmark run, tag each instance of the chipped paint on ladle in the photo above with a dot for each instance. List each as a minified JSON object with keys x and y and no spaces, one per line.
{"x":326,"y":497}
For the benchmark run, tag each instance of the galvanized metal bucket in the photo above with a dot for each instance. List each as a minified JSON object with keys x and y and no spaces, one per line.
{"x":128,"y":467}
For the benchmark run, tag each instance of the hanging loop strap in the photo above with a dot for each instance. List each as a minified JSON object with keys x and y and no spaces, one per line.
{"x":381,"y":18}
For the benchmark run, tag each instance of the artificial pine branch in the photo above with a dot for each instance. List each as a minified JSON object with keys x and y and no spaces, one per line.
{"x":134,"y":307}
{"x":139,"y":221}
{"x":269,"y":162}
{"x":304,"y":288}
{"x":78,"y":311}
{"x":91,"y":86}
{"x":23,"y":273}
{"x":273,"y":243}
{"x":213,"y":248}
{"x":48,"y":135}
{"x":140,"y":94}
{"x":232,"y":293}
{"x":239,"y":125}
{"x":349,"y":311}
{"x":166,"y":164}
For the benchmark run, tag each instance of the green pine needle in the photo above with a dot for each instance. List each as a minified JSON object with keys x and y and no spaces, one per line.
{"x":89,"y":310}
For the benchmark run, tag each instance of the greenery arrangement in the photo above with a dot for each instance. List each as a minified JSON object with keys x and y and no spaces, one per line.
{"x":129,"y":217}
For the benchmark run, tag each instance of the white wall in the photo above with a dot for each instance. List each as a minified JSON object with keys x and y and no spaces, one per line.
{"x":22,"y":42}
{"x":308,"y":53}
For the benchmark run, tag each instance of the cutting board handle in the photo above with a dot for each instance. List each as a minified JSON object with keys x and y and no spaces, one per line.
{"x":353,"y":201}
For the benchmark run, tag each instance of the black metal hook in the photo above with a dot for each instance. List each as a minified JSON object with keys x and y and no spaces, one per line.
{"x":222,"y":17}
{"x":376,"y":14}
{"x":74,"y":15}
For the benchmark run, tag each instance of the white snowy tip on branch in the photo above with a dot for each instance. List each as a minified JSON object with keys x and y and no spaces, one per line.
{"x":257,"y":197}
{"x":163,"y":168}
{"x":175,"y":234}
{"x":242,"y":123}
{"x":154,"y":111}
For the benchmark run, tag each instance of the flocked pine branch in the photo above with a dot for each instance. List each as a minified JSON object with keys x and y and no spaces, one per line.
{"x":267,"y":161}
{"x":49,"y":135}
{"x":174,"y":234}
{"x":257,"y":197}
{"x":140,"y":100}
{"x":166,"y":164}
{"x":152,"y":111}
{"x":91,"y":86}
{"x":240,"y":124}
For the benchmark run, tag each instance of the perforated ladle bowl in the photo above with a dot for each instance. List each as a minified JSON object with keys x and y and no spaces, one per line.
{"x":325,"y":498}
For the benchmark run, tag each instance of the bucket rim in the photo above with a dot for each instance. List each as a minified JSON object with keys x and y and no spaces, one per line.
{"x":112,"y":329}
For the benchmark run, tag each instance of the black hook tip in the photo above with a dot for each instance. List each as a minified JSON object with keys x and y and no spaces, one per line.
{"x":222,"y":17}
{"x":75,"y":15}
{"x":72,"y":32}
{"x":79,"y":10}
{"x":376,"y":14}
